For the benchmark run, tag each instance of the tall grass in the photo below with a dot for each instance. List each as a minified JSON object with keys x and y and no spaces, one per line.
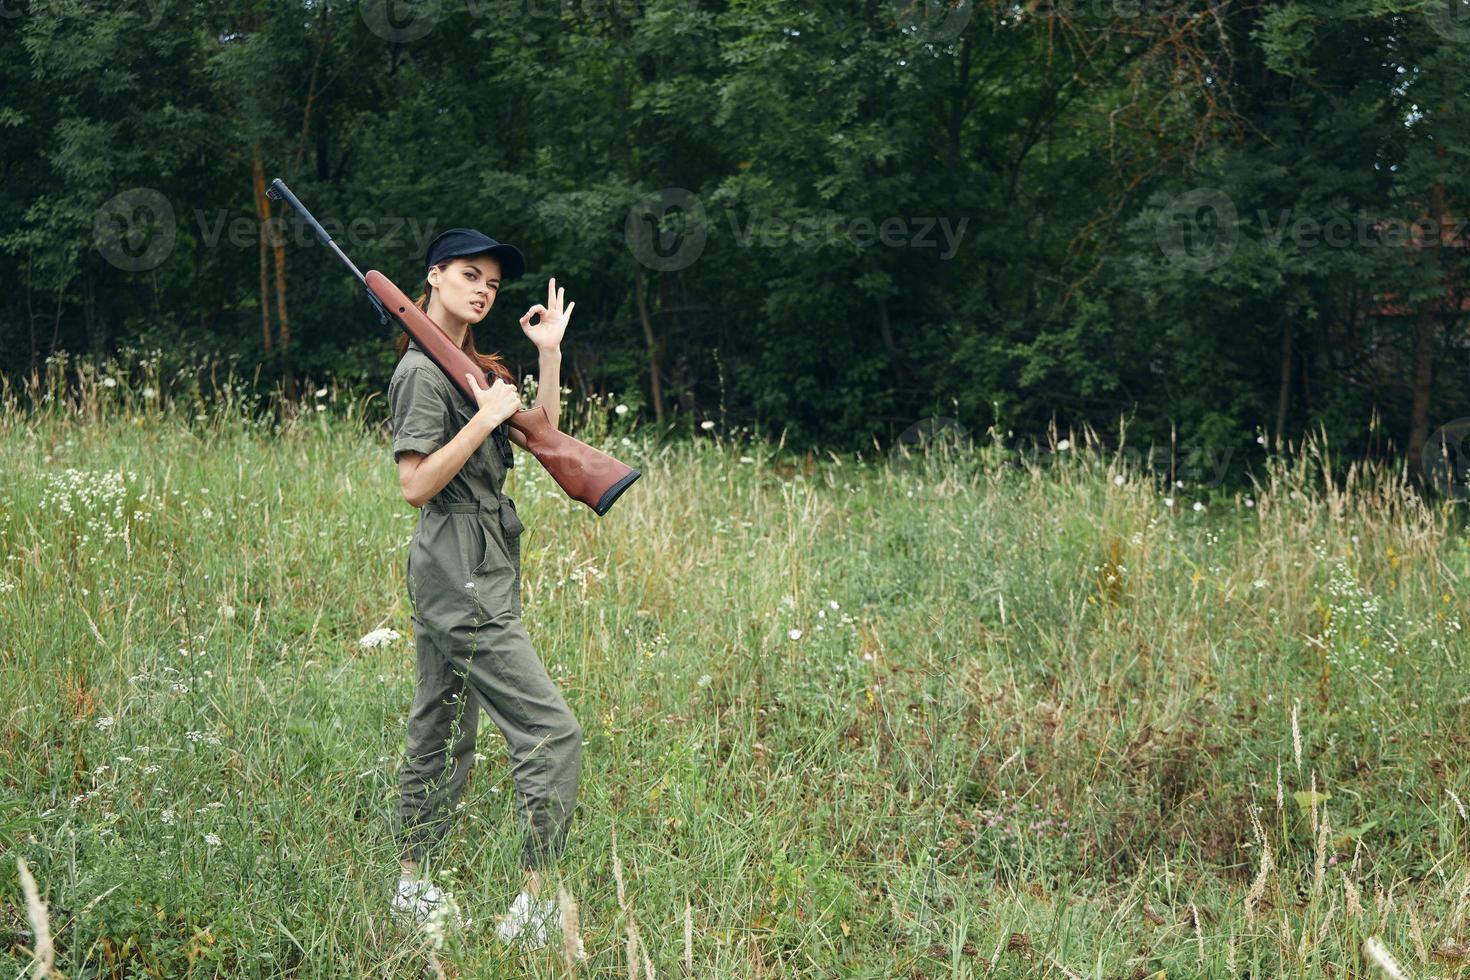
{"x":944,"y":713}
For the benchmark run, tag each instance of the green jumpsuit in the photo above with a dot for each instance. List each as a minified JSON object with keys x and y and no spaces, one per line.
{"x":463,"y":571}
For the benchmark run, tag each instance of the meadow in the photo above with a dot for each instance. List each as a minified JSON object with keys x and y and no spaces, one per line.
{"x":949,"y":711}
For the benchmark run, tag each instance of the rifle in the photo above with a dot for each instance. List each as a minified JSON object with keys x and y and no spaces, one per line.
{"x":584,"y":472}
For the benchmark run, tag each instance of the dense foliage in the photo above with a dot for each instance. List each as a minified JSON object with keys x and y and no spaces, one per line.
{"x":1217,"y":223}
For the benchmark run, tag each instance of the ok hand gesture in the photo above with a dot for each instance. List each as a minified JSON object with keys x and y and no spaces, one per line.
{"x":547,"y":332}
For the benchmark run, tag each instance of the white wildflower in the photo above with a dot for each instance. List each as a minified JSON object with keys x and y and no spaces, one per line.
{"x":621,"y":410}
{"x":1198,"y":505}
{"x":382,"y":637}
{"x":321,"y":392}
{"x":1063,"y":445}
{"x":109,"y":382}
{"x":794,"y":633}
{"x":1120,"y":479}
{"x":212,"y":840}
{"x":105,"y":722}
{"x":706,"y":425}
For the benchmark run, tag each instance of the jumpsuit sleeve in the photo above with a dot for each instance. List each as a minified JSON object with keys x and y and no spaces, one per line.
{"x":420,"y":412}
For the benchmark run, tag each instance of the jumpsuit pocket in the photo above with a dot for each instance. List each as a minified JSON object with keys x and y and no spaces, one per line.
{"x":493,"y":553}
{"x":501,"y":549}
{"x":510,"y":522}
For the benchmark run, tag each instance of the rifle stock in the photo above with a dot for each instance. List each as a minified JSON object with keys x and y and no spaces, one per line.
{"x":584,"y":472}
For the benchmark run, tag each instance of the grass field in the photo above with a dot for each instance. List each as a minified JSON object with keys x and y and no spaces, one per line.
{"x":949,"y":714}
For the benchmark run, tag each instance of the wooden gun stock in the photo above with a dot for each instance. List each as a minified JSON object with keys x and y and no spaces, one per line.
{"x":584,"y":472}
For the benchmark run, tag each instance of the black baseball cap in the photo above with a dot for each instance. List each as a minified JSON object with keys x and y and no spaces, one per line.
{"x":458,"y":242}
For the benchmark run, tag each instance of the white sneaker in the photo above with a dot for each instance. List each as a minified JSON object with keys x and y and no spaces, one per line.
{"x":419,"y":902}
{"x":527,"y":921}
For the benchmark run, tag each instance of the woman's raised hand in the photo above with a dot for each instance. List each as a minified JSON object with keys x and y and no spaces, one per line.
{"x":498,"y":402}
{"x":547,"y":332}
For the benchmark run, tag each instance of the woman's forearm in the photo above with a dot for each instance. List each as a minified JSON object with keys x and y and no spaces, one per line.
{"x":436,"y":469}
{"x":548,"y":388}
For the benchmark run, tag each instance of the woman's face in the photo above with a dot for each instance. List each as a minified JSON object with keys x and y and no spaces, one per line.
{"x":466,"y":287}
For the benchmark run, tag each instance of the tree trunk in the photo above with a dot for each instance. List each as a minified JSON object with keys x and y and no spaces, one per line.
{"x":652,"y":342}
{"x":885,"y":329}
{"x":1283,"y":395}
{"x":278,"y":244}
{"x":959,"y":108}
{"x":262,"y":211}
{"x":1424,"y":329}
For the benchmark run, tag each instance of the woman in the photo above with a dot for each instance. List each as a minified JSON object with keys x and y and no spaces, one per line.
{"x":463,"y":574}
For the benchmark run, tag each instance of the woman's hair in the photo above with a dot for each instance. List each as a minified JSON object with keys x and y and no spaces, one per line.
{"x":487,"y":362}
